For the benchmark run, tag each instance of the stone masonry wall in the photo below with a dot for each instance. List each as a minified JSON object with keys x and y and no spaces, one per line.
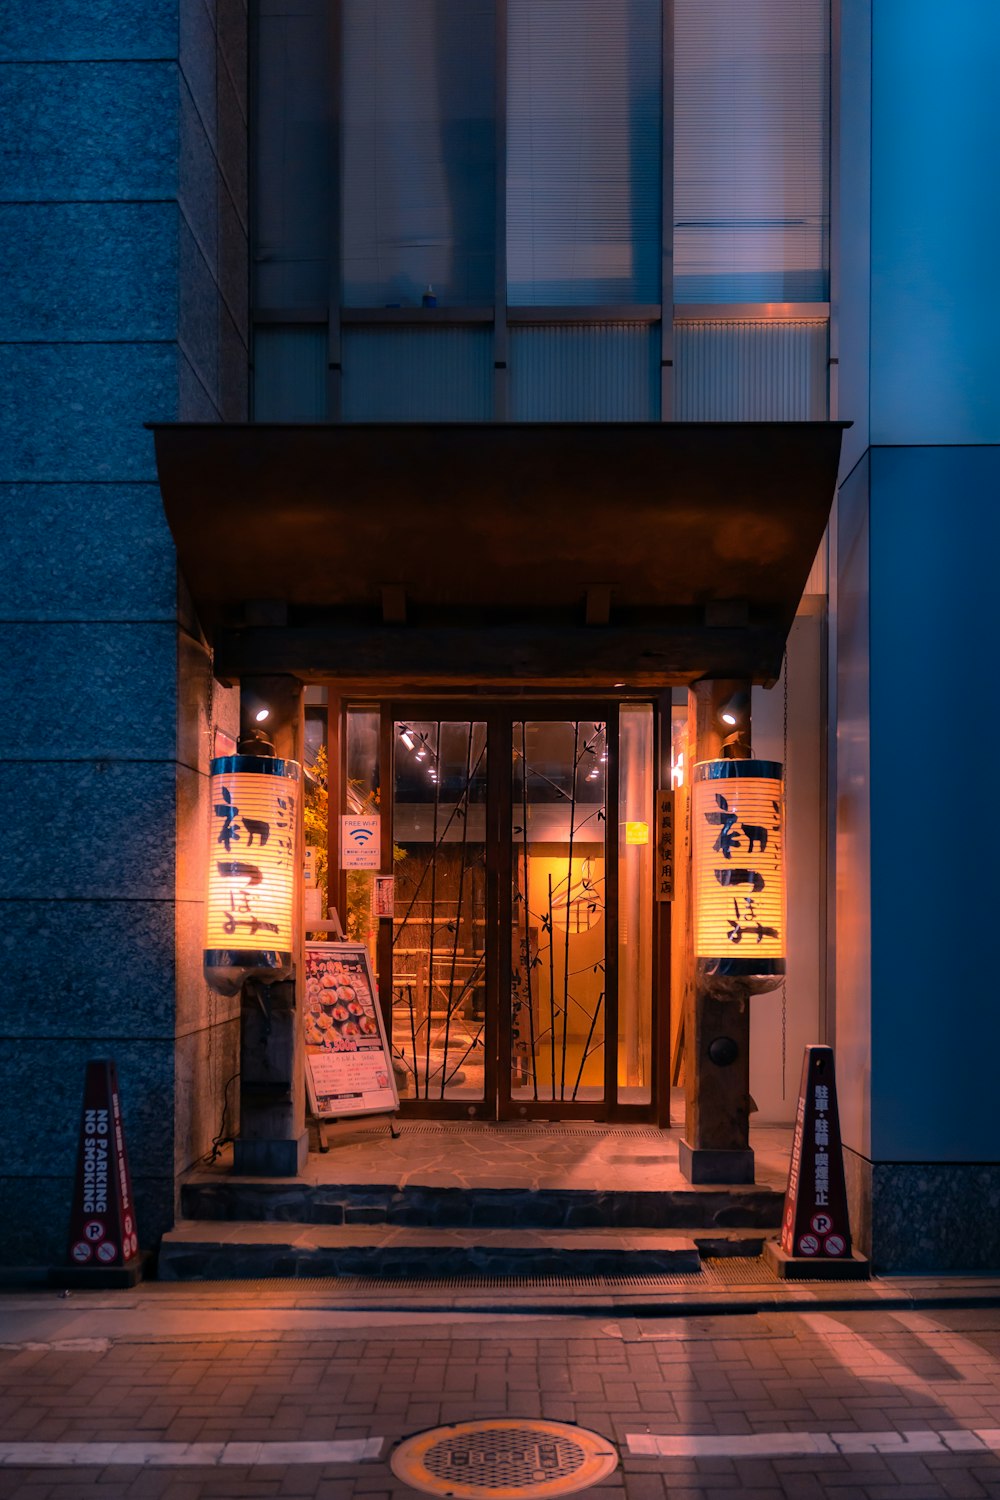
{"x":123,"y":252}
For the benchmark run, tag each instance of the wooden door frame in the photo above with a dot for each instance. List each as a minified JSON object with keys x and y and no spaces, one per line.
{"x":499,"y":716}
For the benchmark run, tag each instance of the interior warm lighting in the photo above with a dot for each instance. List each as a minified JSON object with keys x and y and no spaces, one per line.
{"x":261,"y":715}
{"x":407,"y":738}
{"x":254,"y":811}
{"x":728,"y":718}
{"x":737,"y":823}
{"x":677,"y":771}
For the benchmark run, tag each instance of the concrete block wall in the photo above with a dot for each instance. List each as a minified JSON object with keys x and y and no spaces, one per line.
{"x":123,"y":249}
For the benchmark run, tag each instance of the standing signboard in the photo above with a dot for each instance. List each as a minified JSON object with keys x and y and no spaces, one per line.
{"x":103,"y":1238}
{"x":349,"y":1066}
{"x":815,"y":1229}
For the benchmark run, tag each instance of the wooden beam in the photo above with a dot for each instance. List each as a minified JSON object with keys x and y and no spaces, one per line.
{"x":505,"y":656}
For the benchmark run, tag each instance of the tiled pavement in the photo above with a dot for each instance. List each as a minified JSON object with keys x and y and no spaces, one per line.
{"x":724,"y":1395}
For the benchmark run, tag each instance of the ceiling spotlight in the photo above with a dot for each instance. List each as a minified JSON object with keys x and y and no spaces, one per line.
{"x":735,"y":709}
{"x":406,"y":737}
{"x":421,"y":755}
{"x":261,"y":715}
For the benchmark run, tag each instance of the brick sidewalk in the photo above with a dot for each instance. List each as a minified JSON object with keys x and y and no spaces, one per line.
{"x":864,"y":1377}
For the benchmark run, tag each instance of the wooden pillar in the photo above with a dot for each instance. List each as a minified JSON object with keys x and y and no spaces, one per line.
{"x":272,"y":1140}
{"x":716,"y":1143}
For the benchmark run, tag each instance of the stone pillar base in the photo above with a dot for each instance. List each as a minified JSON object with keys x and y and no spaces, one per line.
{"x":271,"y":1158}
{"x":702,"y":1164}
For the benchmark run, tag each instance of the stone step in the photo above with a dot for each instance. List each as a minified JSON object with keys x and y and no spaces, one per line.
{"x":215,"y":1197}
{"x":193,"y":1252}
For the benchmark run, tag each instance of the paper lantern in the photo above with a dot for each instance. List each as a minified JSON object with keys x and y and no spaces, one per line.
{"x":253,"y":816}
{"x":737,"y":833}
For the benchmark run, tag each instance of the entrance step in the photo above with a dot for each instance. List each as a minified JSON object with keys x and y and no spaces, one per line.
{"x":216,"y":1198}
{"x":194,"y":1252}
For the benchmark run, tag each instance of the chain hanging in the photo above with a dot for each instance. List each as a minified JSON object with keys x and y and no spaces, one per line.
{"x":784,"y":835}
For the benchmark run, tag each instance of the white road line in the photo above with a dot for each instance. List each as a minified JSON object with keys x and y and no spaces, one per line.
{"x":808,"y":1444}
{"x":167,"y":1455}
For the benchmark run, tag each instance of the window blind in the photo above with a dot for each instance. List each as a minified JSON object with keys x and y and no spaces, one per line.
{"x":290,"y":136}
{"x":751,"y":143}
{"x":583,"y":152}
{"x":418,"y":157}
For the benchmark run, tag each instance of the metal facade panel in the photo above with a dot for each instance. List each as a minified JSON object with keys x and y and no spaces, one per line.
{"x":408,"y":374}
{"x":583,"y":152}
{"x":418,"y":169}
{"x":289,"y":374}
{"x":605,"y":372}
{"x":771,"y":371}
{"x":751,"y":150}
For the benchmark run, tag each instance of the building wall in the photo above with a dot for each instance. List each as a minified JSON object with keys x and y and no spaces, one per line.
{"x":917,"y":531}
{"x":122,"y":236}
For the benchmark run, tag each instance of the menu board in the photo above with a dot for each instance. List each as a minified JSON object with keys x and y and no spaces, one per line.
{"x":349,"y":1068}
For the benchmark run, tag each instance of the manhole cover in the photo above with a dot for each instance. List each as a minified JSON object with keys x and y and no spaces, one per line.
{"x":507,"y":1459}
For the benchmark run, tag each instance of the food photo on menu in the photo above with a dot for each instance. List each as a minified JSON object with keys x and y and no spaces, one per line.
{"x":339,"y":1009}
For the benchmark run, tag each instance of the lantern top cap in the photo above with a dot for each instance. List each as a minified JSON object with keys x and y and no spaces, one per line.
{"x":720,"y":770}
{"x":254,"y":765}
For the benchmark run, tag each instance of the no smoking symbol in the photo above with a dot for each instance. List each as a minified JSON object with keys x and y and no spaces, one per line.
{"x":808,"y":1245}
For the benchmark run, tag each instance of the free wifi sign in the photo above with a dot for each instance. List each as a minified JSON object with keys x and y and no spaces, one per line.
{"x":360,"y":843}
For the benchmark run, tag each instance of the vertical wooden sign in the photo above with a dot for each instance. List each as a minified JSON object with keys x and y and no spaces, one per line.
{"x":664,"y":887}
{"x":103,"y":1234}
{"x":815,"y":1229}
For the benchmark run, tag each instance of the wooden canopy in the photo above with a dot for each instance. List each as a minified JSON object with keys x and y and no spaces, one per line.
{"x":505,"y":553}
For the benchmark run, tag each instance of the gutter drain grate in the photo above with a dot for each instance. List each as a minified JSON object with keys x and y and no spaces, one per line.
{"x":504,"y":1458}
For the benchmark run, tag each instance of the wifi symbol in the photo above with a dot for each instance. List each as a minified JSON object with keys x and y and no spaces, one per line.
{"x":361,"y":835}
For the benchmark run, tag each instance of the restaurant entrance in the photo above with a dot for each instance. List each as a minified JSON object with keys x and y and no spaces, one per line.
{"x":517,"y":968}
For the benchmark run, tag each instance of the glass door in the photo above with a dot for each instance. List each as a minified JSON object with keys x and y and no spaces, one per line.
{"x":441,"y":956}
{"x":562,"y":995}
{"x":518,"y":976}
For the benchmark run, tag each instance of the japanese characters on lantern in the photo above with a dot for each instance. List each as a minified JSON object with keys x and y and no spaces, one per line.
{"x":737,"y":812}
{"x":254,"y":808}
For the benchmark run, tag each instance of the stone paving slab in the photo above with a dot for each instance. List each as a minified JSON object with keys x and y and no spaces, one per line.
{"x":866,"y":1403}
{"x":535,"y":1155}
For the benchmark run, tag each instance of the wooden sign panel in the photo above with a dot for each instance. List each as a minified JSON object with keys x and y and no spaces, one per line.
{"x":664,"y":879}
{"x":102,"y":1224}
{"x":815,"y":1223}
{"x":349,"y":1066}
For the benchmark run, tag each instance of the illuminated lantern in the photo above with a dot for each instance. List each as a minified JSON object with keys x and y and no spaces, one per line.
{"x":253,"y":815}
{"x":737,"y":832}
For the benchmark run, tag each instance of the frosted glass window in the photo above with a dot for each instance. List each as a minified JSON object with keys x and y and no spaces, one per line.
{"x":729,"y":371}
{"x":602,"y":372}
{"x":289,"y":374}
{"x":418,"y":151}
{"x":418,"y":374}
{"x":583,"y":152}
{"x":751,"y":145}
